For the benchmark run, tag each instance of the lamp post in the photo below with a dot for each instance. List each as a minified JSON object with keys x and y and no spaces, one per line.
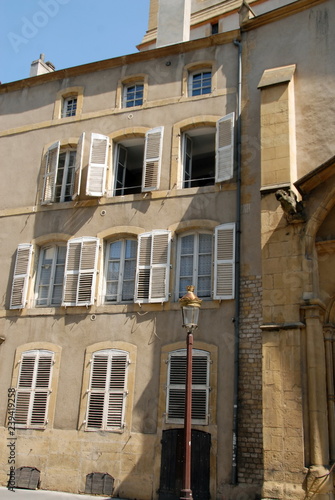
{"x":190,"y":305}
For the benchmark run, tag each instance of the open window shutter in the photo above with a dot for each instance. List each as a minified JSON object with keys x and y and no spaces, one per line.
{"x":224,"y":169}
{"x":80,"y":271}
{"x":160,"y":266}
{"x":224,"y":274}
{"x":21,"y":276}
{"x":50,"y":175}
{"x":78,"y":166}
{"x":152,"y":159}
{"x":142,"y":284}
{"x":153,"y":267}
{"x":34,"y":388}
{"x":97,"y":167}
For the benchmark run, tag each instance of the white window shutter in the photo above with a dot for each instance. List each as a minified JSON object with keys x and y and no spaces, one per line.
{"x":21,"y":276}
{"x":153,"y":267}
{"x":224,"y":262}
{"x":107,"y":391}
{"x":152,"y":159}
{"x":224,"y":159}
{"x":34,"y":388}
{"x":50,"y":174}
{"x":78,"y":166}
{"x":97,"y":166}
{"x":80,"y":271}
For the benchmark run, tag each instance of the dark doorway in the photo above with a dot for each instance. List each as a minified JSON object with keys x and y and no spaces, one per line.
{"x":172,"y":464}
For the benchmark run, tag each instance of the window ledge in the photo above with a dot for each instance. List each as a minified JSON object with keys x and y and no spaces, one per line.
{"x":103,"y":309}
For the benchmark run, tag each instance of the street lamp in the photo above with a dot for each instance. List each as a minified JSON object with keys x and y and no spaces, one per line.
{"x":190,"y":305}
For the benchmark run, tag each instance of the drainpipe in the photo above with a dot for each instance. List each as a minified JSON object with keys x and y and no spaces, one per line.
{"x":237,"y":263}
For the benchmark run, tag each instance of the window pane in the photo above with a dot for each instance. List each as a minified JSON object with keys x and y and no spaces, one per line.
{"x":121,"y":269}
{"x":51,"y":276}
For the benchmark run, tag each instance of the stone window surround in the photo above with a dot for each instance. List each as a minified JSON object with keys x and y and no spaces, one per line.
{"x":129,"y":403}
{"x":64,"y":93}
{"x":190,"y":68}
{"x":138,"y":78}
{"x":32,"y":346}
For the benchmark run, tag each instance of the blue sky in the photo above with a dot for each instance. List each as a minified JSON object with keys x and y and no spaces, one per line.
{"x":68,"y":32}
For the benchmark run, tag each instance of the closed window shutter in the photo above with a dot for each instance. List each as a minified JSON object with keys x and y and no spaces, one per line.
{"x":50,"y":175}
{"x":224,"y":169}
{"x":107,"y":392}
{"x":200,"y":387}
{"x":21,"y":276}
{"x":97,"y":167}
{"x":33,"y":390}
{"x":78,"y":166}
{"x":153,"y":267}
{"x":152,"y":159}
{"x":224,"y":262}
{"x":80,"y":271}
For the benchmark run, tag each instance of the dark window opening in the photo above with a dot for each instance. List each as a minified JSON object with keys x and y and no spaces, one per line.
{"x":199,"y":158}
{"x":215,"y":28}
{"x":129,"y":167}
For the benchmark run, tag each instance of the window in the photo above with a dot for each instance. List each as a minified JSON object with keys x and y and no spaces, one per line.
{"x":175,"y":400}
{"x":120,"y":271}
{"x":195,"y":259}
{"x":133,"y":95}
{"x":138,"y":163}
{"x":200,"y":82}
{"x":20,"y":283}
{"x":69,"y":106}
{"x":199,"y":157}
{"x":153,"y":267}
{"x":61,"y":180}
{"x":80,"y":271}
{"x":49,"y":288}
{"x":195,"y":264}
{"x":107,"y":390}
{"x":214,"y":28}
{"x":33,"y":389}
{"x":208,"y":154}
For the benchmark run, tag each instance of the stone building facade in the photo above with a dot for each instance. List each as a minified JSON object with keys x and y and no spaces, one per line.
{"x":205,"y":158}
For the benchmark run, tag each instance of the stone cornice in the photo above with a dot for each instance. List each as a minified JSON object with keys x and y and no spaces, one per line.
{"x":278,"y":14}
{"x":147,"y":55}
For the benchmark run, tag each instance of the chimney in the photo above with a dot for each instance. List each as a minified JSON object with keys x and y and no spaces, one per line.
{"x":174,"y":19}
{"x":40,"y":67}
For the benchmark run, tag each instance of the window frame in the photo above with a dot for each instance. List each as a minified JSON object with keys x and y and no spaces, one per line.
{"x":51,"y":169}
{"x":121,"y":280}
{"x":195,"y":263}
{"x":181,"y":387}
{"x":125,"y":98}
{"x":151,"y":162}
{"x":55,"y":246}
{"x":66,"y":113}
{"x":189,"y":137}
{"x":190,"y":83}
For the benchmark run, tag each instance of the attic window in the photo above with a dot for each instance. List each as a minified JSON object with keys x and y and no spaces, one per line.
{"x":69,"y":106}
